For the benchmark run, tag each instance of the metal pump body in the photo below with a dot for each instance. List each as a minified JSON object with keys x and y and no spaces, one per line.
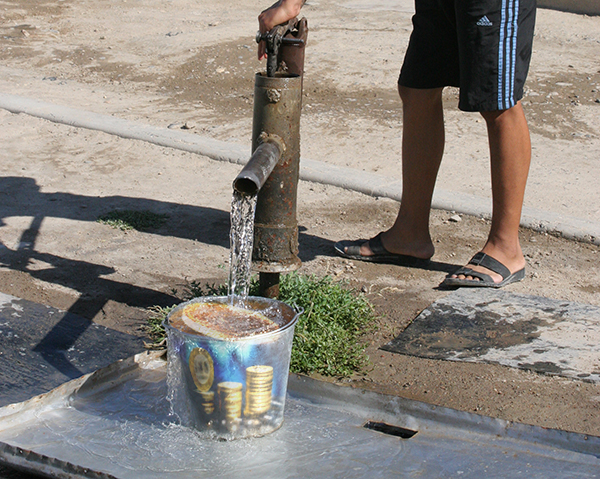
{"x":273,"y":169}
{"x":277,"y":104}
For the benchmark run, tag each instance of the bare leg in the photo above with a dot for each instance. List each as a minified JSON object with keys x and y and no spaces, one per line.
{"x":422,"y":150}
{"x":510,"y":153}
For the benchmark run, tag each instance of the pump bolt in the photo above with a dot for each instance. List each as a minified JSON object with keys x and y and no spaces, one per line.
{"x":273,"y":95}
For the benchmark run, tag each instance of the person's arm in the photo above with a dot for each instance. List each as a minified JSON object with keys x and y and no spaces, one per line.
{"x":278,"y":13}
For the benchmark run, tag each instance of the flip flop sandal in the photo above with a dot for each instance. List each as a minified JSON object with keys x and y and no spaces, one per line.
{"x":351,"y":250}
{"x":485,"y":280}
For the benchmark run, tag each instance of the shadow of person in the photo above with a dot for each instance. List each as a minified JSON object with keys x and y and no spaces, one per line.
{"x":61,"y":336}
{"x":21,"y":196}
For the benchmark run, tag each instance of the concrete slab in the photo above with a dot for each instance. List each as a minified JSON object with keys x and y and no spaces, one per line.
{"x":520,"y":331}
{"x":43,"y":347}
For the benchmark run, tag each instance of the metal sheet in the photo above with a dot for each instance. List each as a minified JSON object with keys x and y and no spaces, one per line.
{"x":527,"y":332}
{"x":116,"y":422}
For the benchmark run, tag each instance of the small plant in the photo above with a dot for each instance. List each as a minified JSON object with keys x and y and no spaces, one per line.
{"x":154,"y":328}
{"x":327,"y":335}
{"x":327,"y":338}
{"x":126,"y":220}
{"x":195,"y":290}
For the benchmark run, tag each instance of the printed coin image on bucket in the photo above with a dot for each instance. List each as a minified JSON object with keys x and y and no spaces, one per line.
{"x":259,"y":384}
{"x":202,"y":369}
{"x":230,"y":403}
{"x":228,"y":365}
{"x":208,"y":402}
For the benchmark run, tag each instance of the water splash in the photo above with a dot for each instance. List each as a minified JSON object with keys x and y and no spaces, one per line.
{"x":241,"y":239}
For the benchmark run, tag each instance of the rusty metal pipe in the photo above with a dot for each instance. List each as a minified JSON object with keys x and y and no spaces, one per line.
{"x":277,"y":106}
{"x":254,"y":175}
{"x":268,"y":285}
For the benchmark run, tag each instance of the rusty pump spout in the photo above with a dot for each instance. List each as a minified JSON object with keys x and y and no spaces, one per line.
{"x":273,"y":169}
{"x":261,"y":164}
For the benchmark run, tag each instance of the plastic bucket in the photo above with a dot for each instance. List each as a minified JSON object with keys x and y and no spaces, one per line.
{"x":227,"y":384}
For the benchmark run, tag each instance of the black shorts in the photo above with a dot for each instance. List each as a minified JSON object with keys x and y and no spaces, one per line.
{"x":481,"y":46}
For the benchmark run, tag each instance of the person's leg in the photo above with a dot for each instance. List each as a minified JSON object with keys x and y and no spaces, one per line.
{"x":422,"y":150}
{"x":431,"y":63}
{"x":510,"y":154}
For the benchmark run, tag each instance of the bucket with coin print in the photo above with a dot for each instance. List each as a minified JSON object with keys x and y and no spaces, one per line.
{"x":229,"y":365}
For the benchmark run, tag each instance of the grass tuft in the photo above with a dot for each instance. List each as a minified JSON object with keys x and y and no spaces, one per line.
{"x":127,"y":220}
{"x":327,"y":338}
{"x":327,"y":335}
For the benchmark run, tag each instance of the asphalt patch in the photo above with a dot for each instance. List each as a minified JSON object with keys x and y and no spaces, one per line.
{"x":528,"y":332}
{"x":43,"y":347}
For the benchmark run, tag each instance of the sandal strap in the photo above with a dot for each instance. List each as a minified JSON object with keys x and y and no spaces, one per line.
{"x":376,"y":245}
{"x":474,"y":274}
{"x":485,"y":260}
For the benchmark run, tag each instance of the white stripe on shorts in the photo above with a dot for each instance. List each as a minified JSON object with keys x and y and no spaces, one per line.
{"x":507,"y":53}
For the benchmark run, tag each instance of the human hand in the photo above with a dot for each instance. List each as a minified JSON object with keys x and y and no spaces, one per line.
{"x":280,"y":12}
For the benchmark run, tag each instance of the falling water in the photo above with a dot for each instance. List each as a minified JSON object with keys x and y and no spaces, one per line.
{"x":241,"y":237}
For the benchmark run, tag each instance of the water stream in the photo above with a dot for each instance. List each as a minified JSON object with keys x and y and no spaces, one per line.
{"x":241,"y":238}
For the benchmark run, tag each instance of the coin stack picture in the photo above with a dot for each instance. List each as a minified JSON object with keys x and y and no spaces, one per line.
{"x":230,"y":401}
{"x":259,"y":384}
{"x":208,"y":402}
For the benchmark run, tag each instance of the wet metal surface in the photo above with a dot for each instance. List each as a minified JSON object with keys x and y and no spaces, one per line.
{"x":520,"y":331}
{"x":116,"y":423}
{"x":43,"y":347}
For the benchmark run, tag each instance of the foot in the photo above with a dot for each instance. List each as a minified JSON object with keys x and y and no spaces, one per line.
{"x":513,"y":264}
{"x":376,"y":252}
{"x":393,"y":246}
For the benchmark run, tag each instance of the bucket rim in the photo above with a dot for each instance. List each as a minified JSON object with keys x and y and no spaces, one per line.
{"x":225,"y":299}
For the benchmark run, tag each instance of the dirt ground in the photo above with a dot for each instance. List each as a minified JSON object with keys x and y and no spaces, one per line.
{"x":172,"y":62}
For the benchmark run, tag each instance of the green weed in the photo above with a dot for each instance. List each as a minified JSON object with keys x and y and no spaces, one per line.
{"x":327,"y":337}
{"x":133,"y":220}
